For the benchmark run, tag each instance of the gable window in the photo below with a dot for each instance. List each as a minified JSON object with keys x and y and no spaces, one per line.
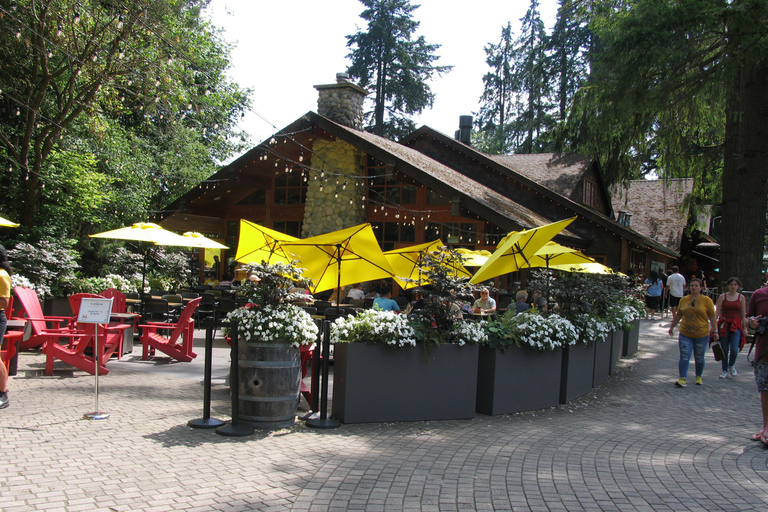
{"x":290,"y":188}
{"x":451,"y":233}
{"x":257,"y":197}
{"x":389,"y":233}
{"x":388,"y":186}
{"x":590,"y":194}
{"x":289,"y":227}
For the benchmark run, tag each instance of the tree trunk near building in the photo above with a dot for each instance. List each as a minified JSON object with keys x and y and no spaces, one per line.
{"x":745,"y":177}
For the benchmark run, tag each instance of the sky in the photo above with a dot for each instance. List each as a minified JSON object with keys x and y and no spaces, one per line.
{"x":284,"y":49}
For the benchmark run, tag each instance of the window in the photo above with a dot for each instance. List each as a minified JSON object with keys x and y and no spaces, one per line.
{"x":388,"y":186}
{"x":233,"y":233}
{"x":451,"y":233}
{"x":289,"y":227}
{"x":290,"y":188}
{"x":435,"y":198}
{"x":389,"y":233}
{"x":590,"y":193}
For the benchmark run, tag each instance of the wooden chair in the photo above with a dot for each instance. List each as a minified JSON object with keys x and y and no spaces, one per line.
{"x":73,"y":350}
{"x":39,"y":323}
{"x":118,"y":299}
{"x":74,"y":303}
{"x":184,"y":329}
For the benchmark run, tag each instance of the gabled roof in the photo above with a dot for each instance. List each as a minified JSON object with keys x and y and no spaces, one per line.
{"x":656,"y":207}
{"x":560,"y":172}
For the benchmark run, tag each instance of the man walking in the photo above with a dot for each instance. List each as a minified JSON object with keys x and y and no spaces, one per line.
{"x":676,"y":288}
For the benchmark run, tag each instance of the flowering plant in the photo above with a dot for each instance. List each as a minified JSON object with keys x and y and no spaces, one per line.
{"x":374,"y":326}
{"x":591,"y":328}
{"x":532,"y":330}
{"x":468,"y":332}
{"x":274,"y":321}
{"x":275,"y":324}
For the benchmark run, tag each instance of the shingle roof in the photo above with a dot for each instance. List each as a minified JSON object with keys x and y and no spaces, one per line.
{"x":656,"y":208}
{"x":559,"y":172}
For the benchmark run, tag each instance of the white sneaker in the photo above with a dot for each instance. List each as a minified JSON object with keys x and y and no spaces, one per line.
{"x":724,"y":375}
{"x":733,"y":370}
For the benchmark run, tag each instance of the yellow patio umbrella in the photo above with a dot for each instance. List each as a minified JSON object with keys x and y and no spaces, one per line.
{"x":517,"y":249}
{"x":198,"y":240}
{"x":472,"y":258}
{"x":590,"y":268}
{"x":342,"y":257}
{"x":7,"y":223}
{"x":145,"y":232}
{"x":555,"y":254}
{"x":258,"y":244}
{"x":405,"y":263}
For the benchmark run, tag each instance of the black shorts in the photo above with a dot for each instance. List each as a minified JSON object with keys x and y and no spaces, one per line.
{"x":652,"y":302}
{"x":674,"y":301}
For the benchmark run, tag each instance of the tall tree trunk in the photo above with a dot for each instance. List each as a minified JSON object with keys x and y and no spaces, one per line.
{"x":745,"y":177}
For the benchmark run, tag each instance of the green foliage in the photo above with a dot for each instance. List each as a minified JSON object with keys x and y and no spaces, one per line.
{"x":47,"y":264}
{"x":388,"y":59}
{"x":274,"y":284}
{"x":531,"y":330}
{"x":495,"y":114}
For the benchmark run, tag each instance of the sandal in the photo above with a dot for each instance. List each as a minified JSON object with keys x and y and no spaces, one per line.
{"x":756,"y":437}
{"x":764,"y":440}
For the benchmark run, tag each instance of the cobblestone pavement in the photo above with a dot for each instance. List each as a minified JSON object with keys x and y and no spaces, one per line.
{"x":635,"y":443}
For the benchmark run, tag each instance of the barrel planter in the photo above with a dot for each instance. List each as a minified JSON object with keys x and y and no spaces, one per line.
{"x":631,"y":339}
{"x":602,"y":361}
{"x":517,"y":379}
{"x":617,"y":344}
{"x":269,"y":377}
{"x":577,"y":371}
{"x":378,"y":383}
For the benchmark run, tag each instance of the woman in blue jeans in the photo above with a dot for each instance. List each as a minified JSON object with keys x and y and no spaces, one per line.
{"x":697,"y":313}
{"x":731,"y":319}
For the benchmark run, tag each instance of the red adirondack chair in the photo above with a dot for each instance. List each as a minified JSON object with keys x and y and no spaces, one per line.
{"x":74,"y":304}
{"x":118,"y":302}
{"x":73,"y":350}
{"x":184,"y":329}
{"x":39,"y":323}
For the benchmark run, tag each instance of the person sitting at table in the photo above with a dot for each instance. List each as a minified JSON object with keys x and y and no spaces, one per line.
{"x":356,"y":293}
{"x":539,"y":301}
{"x":520,"y":302}
{"x":385,"y":302}
{"x":211,"y":281}
{"x":485,"y":304}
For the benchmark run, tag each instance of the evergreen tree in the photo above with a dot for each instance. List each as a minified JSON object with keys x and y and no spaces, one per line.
{"x":530,"y":83}
{"x":493,"y":119}
{"x":387,"y":58}
{"x":682,"y":86}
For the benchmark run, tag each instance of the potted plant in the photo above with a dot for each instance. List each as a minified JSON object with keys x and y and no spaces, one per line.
{"x":420,"y":366}
{"x":519,"y":368}
{"x":269,"y":336}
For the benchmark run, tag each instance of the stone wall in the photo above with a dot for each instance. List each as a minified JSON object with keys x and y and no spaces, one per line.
{"x":335,"y":199}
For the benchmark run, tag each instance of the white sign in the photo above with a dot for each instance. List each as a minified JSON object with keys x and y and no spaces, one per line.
{"x":95,"y":311}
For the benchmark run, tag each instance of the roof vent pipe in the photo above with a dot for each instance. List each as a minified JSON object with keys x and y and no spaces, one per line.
{"x":464,"y":133}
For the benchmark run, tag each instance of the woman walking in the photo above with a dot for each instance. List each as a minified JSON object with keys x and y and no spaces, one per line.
{"x":653,"y":288}
{"x":694,"y":310}
{"x":731,"y":319}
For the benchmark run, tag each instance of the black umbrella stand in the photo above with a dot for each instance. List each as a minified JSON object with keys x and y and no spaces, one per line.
{"x":206,"y":421}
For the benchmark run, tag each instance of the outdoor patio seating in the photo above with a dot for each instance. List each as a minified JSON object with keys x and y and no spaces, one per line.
{"x":74,"y":303}
{"x":223,"y":307}
{"x":157,"y":310}
{"x":118,"y":299}
{"x":179,"y":344}
{"x":73,"y":350}
{"x":40,"y":324}
{"x":207,"y":307}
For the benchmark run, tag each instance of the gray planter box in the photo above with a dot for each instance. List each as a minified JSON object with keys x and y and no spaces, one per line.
{"x":602,"y":361}
{"x":377,"y":383}
{"x":631,"y":340}
{"x":518,"y":379}
{"x":577,"y":371}
{"x":617,"y":345}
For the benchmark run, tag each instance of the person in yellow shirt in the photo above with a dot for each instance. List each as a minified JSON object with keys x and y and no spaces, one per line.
{"x":5,"y":294}
{"x":697,"y":313}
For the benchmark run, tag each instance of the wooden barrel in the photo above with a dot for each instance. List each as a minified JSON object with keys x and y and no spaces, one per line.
{"x":269,"y":379}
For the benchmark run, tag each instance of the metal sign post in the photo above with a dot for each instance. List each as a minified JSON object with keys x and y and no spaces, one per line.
{"x":95,"y":311}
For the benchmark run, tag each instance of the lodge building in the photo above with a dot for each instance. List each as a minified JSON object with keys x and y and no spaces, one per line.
{"x":323,"y":173}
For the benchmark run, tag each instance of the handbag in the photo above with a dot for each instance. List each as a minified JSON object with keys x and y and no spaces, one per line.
{"x":717,"y":350}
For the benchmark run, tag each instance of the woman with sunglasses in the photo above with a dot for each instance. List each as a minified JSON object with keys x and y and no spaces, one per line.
{"x":697,"y":313}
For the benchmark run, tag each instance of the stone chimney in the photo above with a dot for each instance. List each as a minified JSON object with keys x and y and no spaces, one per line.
{"x":342,"y":102}
{"x":336,"y":196}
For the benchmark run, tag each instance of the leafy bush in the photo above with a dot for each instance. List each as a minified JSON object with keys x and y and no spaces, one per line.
{"x":49,"y":265}
{"x":99,"y":284}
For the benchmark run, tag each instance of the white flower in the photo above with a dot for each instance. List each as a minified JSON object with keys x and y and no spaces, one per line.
{"x":282,"y":323}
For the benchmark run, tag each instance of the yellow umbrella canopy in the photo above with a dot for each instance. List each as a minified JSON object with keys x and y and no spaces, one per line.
{"x":7,"y":223}
{"x":472,"y":258}
{"x":145,"y":232}
{"x":590,"y":268}
{"x":405,"y":263}
{"x":198,"y":240}
{"x":554,"y":254}
{"x":258,"y":244}
{"x":517,"y":249}
{"x":342,"y":257}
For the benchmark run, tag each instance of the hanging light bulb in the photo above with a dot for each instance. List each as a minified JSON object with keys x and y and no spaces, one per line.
{"x":18,"y":33}
{"x":120,"y":21}
{"x":77,"y":17}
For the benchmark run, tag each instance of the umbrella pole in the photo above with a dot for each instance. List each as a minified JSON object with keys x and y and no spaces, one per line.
{"x":143,"y":279}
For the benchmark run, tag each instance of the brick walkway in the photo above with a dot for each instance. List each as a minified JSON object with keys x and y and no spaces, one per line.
{"x":635,"y":443}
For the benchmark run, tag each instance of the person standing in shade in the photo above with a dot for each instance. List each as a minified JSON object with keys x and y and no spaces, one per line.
{"x":757,"y":311}
{"x":731,"y":319}
{"x":697,"y":313}
{"x":385,"y":302}
{"x":5,"y":295}
{"x":653,"y":289}
{"x":676,"y":288}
